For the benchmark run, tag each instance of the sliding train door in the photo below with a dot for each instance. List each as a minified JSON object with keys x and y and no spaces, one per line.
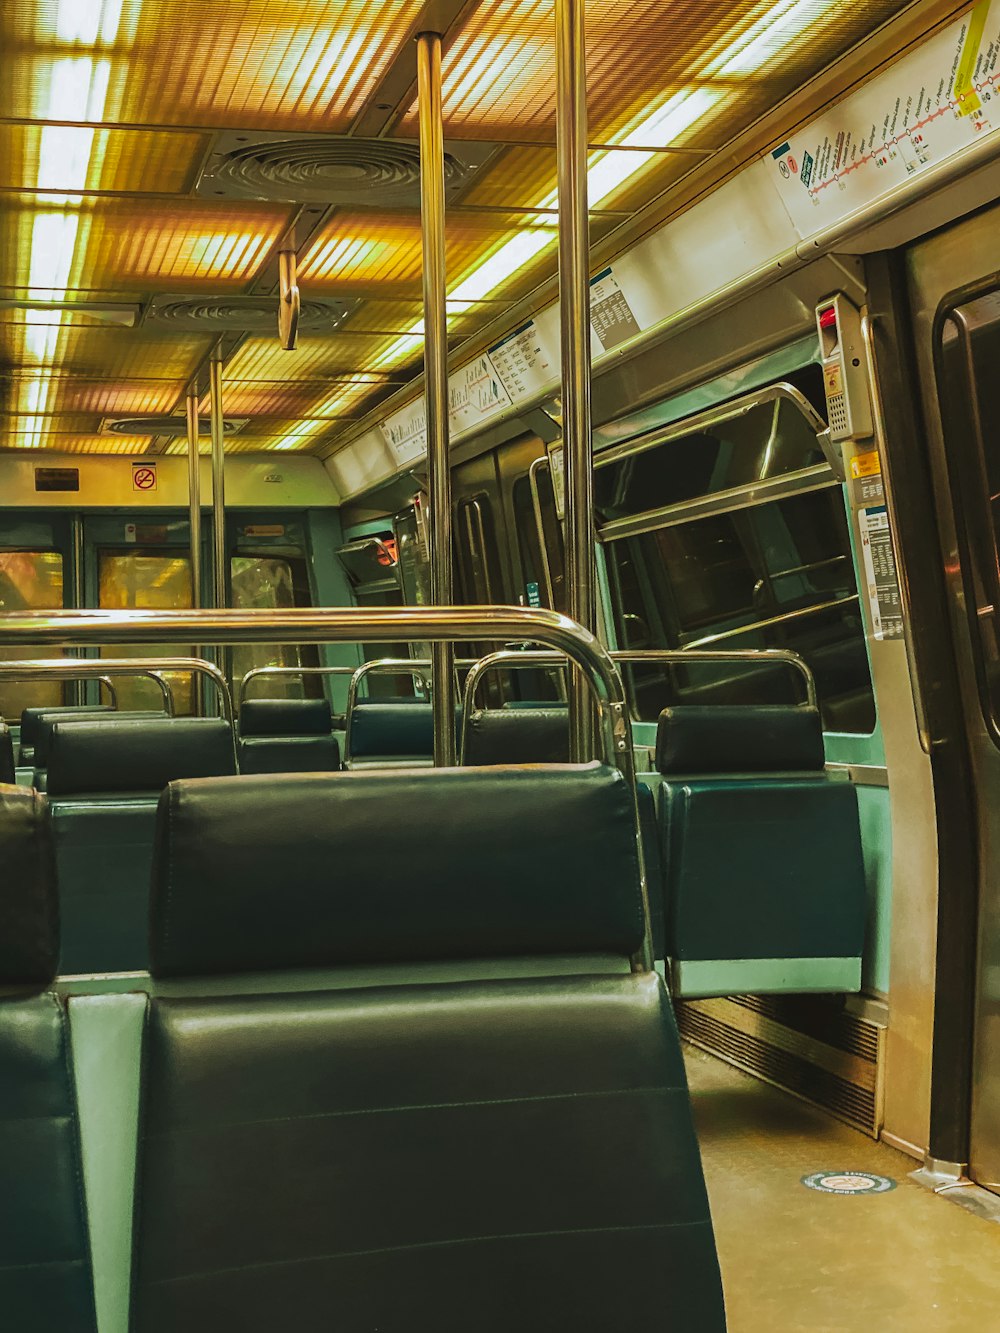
{"x":954,"y":285}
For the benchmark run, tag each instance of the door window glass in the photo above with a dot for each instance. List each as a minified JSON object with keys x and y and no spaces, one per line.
{"x":29,"y":581}
{"x":274,"y":583}
{"x":774,"y":575}
{"x":968,"y":353}
{"x":150,"y":580}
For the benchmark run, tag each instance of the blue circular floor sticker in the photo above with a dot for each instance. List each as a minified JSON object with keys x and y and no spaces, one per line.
{"x":848,"y":1182}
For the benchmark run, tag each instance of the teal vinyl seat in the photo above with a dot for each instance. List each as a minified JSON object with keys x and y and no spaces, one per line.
{"x":762,"y":866}
{"x":287,"y":736}
{"x":46,"y":724}
{"x":380,"y":1156}
{"x":104,"y":781}
{"x":45,"y":1269}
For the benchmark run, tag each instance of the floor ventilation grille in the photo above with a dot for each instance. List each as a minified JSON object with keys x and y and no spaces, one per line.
{"x":808,"y":1045}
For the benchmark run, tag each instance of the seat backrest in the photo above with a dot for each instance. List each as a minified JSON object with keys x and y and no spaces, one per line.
{"x":295,"y":1116}
{"x":139,"y":755}
{"x":485,"y":864}
{"x":31,"y":717}
{"x":702,"y":739}
{"x":45,"y":1270}
{"x":46,"y":723}
{"x":285,"y":717}
{"x":380,"y":730}
{"x":289,"y":754}
{"x":517,"y":736}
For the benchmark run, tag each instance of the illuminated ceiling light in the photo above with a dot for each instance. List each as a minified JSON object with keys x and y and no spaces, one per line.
{"x":765,"y":39}
{"x":341,"y":398}
{"x":85,"y":22}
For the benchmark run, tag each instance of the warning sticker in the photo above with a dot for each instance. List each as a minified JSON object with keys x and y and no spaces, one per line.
{"x":144,"y":476}
{"x":866,"y":465}
{"x":880,"y":573}
{"x":848,"y":1182}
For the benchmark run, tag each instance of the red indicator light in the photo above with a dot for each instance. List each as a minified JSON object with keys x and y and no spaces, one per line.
{"x":828,"y":318}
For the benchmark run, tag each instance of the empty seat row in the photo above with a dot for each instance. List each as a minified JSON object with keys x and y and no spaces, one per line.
{"x":358,"y":1111}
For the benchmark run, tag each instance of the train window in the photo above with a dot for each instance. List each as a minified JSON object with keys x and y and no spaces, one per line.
{"x":270,"y":583}
{"x":141,"y":579}
{"x":29,"y":581}
{"x":772,"y":439}
{"x":777,"y":574}
{"x":968,"y":352}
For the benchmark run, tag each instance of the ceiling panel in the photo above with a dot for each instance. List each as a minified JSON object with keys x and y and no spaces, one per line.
{"x":315,"y":358}
{"x":75,"y":444}
{"x":104,"y":243}
{"x":499,"y":73}
{"x":285,"y":398}
{"x":113,"y":354}
{"x":274,"y":64}
{"x":72,"y":158}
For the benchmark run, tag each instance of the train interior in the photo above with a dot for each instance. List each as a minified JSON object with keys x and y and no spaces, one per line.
{"x":378,"y":960}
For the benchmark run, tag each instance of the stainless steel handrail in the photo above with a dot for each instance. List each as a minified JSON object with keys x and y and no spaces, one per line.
{"x":542,"y":461}
{"x":427,"y":624}
{"x":782,"y":391}
{"x":84,"y":668}
{"x":272,"y":671}
{"x":514,"y":660}
{"x":782,"y":619}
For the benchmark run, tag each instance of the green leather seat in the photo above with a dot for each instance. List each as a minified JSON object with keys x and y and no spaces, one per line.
{"x":45,"y":1271}
{"x":104,"y":782}
{"x":498,"y":1154}
{"x":31,"y":719}
{"x":389,"y":732}
{"x":287,"y":736}
{"x":763,"y":872}
{"x":8,"y":773}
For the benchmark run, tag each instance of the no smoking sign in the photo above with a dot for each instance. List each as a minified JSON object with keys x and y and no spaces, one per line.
{"x":144,"y":476}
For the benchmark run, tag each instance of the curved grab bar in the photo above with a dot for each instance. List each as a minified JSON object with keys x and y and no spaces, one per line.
{"x":426,"y":624}
{"x":102,"y":668}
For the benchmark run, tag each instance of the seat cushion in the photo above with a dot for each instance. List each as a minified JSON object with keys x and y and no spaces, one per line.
{"x":47,"y":723}
{"x":285,"y":717}
{"x":393,"y":1159}
{"x":289,"y":754}
{"x":315,"y":870}
{"x":140,"y":755}
{"x":694,"y":739}
{"x":45,"y":1276}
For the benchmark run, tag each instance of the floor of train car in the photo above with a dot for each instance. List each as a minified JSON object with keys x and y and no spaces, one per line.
{"x":794,"y":1259}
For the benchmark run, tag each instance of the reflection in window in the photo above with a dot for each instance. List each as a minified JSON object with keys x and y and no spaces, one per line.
{"x":29,"y":581}
{"x":273,"y":583}
{"x":768,"y":575}
{"x":147,"y":580}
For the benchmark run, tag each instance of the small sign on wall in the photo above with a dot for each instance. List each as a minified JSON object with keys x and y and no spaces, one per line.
{"x":144,"y":476}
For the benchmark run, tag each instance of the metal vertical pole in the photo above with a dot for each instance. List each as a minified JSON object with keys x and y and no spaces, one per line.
{"x":218,"y":491}
{"x":574,"y":318}
{"x":432,"y":206}
{"x":79,"y":687}
{"x":194,"y":519}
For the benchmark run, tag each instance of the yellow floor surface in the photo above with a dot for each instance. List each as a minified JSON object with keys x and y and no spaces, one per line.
{"x":900,"y":1262}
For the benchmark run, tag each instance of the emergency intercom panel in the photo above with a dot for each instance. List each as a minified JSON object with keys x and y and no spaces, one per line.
{"x":845,"y":376}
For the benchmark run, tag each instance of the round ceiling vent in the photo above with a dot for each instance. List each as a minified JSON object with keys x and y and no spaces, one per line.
{"x":165,"y":425}
{"x":245,"y":314}
{"x":324,"y":170}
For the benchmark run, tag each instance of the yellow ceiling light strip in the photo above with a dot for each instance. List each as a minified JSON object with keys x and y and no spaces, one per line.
{"x":608,"y":171}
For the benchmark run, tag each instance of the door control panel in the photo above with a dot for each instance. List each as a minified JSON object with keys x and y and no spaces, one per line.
{"x":845,"y":375}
